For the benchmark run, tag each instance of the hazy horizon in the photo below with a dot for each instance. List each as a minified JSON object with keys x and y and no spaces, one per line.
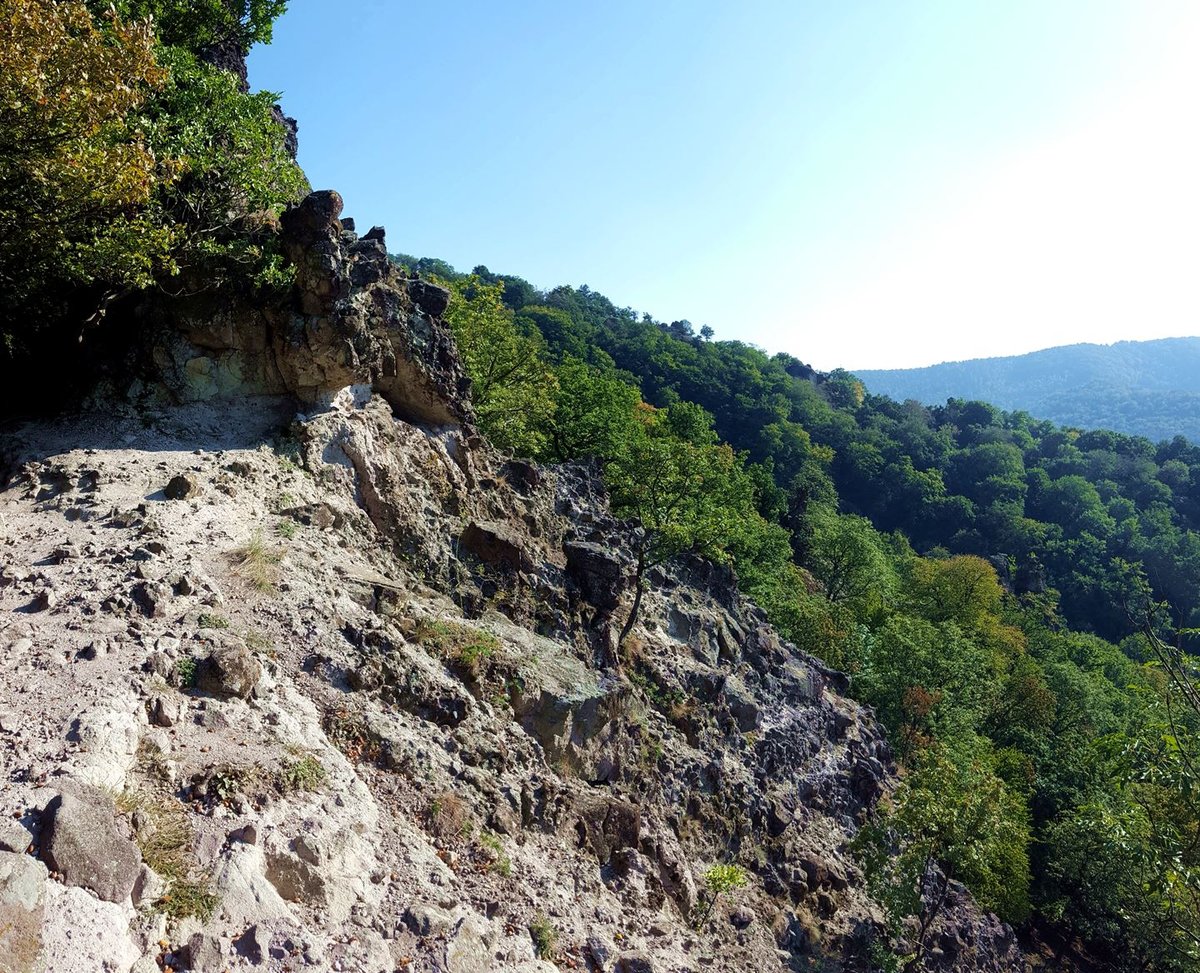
{"x":861,"y":185}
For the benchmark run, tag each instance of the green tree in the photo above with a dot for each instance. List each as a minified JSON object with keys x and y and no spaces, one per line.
{"x":686,"y":491}
{"x":232,"y":173}
{"x":846,"y":554}
{"x":76,"y":180}
{"x":950,"y":819}
{"x":594,"y":413}
{"x":512,"y":387}
{"x":201,"y":25}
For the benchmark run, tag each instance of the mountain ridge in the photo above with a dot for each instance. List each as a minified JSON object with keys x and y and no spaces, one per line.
{"x":1147,"y":388}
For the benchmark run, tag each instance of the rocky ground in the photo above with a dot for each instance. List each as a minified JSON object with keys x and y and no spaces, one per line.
{"x":339,"y":689}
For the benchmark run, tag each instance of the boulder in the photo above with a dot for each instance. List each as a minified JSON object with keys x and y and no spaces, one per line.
{"x":206,"y":954}
{"x":634,"y":962}
{"x":183,"y":486}
{"x":742,"y":705}
{"x":498,"y":545}
{"x":14,"y":836}
{"x":229,"y":670}
{"x":84,"y":841}
{"x":468,"y":949}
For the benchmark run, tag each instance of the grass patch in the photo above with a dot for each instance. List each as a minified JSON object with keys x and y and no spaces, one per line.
{"x":287,"y":528}
{"x":544,"y":935}
{"x":258,"y":562}
{"x":164,"y":837}
{"x":493,"y":848}
{"x":208,"y":620}
{"x":257,"y":642}
{"x":304,"y":774}
{"x":466,"y":649}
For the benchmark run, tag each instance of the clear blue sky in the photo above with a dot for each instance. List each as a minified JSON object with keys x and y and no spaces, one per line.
{"x":863,"y":184}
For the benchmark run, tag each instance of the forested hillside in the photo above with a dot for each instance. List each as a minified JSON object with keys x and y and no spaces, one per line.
{"x":1144,"y":388}
{"x":1013,"y":597}
{"x":274,"y":408}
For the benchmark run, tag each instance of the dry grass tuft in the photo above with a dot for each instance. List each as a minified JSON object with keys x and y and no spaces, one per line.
{"x":258,"y":562}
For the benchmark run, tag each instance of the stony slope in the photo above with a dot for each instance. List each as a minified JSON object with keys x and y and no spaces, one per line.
{"x":339,"y":689}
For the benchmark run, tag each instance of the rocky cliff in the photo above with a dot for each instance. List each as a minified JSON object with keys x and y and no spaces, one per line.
{"x":301,"y":674}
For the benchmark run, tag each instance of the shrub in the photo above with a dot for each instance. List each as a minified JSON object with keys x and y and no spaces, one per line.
{"x":718,"y":880}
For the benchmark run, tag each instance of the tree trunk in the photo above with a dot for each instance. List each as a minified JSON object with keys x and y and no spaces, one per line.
{"x":639,"y":586}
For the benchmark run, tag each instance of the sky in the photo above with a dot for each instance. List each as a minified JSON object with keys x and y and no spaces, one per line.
{"x":860,"y":184}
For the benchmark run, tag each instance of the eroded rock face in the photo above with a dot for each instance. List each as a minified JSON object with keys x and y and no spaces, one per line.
{"x":353,"y":324}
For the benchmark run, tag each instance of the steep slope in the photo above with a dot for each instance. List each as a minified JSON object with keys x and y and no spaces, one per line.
{"x":340,"y":690}
{"x":1145,"y":388}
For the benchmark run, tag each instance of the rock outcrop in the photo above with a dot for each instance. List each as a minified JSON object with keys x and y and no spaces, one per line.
{"x":358,"y":691}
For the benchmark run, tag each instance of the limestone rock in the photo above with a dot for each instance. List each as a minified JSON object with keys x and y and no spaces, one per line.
{"x":468,"y":949}
{"x":206,"y":954}
{"x":14,"y":836}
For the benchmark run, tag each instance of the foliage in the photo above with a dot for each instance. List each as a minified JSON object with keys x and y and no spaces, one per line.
{"x":465,"y":647}
{"x":686,"y":491}
{"x":201,"y":25}
{"x":302,"y":774}
{"x":126,"y":163}
{"x":185,"y":671}
{"x":230,"y":165}
{"x":950,"y":820}
{"x":76,"y":177}
{"x":718,"y":880}
{"x":512,"y":387}
{"x":544,"y":935}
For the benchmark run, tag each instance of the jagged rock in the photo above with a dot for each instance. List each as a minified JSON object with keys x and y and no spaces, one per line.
{"x":254,"y":944}
{"x":497,"y":544}
{"x":166,"y":711}
{"x":148,"y":888}
{"x":568,"y":708}
{"x":206,"y":954}
{"x":151,"y":597}
{"x":22,"y":906}
{"x":427,"y":920}
{"x":468,"y":949}
{"x":599,"y":573}
{"x":634,"y":962}
{"x":229,"y":670}
{"x":742,"y":705}
{"x":14,"y":836}
{"x":83,"y":841}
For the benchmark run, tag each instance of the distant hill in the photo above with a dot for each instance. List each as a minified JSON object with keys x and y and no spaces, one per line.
{"x":1147,"y":388}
